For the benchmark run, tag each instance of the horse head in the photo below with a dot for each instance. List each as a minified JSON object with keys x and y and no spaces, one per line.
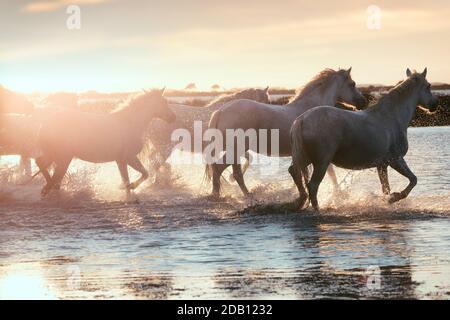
{"x":348,"y":92}
{"x":159,"y":105}
{"x":262,"y":95}
{"x":426,"y":98}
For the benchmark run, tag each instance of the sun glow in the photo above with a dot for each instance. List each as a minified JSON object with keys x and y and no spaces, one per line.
{"x":24,"y":285}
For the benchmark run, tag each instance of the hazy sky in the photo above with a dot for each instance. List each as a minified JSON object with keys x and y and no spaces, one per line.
{"x":133,"y":44}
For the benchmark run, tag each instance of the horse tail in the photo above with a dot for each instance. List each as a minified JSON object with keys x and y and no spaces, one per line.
{"x":300,"y":158}
{"x":213,"y":123}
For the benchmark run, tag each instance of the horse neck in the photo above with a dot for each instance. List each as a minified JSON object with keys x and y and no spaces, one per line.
{"x":406,"y":112}
{"x":402,"y":109}
{"x":216,"y":105}
{"x":134,"y":119}
{"x":326,"y":97}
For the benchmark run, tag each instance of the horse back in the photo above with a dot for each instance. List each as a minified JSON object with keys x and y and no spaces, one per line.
{"x":249,"y":114}
{"x":88,"y":136}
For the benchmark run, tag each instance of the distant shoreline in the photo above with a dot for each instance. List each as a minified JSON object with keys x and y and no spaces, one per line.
{"x":103,"y":102}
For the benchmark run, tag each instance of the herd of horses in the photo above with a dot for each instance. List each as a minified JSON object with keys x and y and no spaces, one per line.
{"x":311,"y":130}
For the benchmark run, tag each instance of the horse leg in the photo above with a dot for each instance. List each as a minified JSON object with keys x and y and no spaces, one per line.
{"x":60,"y":171}
{"x":43,"y":165}
{"x":238,"y":176}
{"x":159,"y":157}
{"x":153,"y":160}
{"x":297,"y":177}
{"x":25,"y":166}
{"x":217,"y":170}
{"x":137,"y":165}
{"x":383,"y":175}
{"x":164,"y":154}
{"x":313,"y":185}
{"x":332,"y":174}
{"x":248,"y":160}
{"x":401,"y":167}
{"x":122,"y":165}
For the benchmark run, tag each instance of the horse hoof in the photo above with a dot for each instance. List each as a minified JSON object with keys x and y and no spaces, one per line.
{"x":301,"y":202}
{"x":250,"y":199}
{"x":131,"y":198}
{"x":249,"y":195}
{"x":213,"y":197}
{"x":396,"y":196}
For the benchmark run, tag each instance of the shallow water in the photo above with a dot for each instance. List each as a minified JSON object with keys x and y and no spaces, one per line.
{"x":174,"y":243}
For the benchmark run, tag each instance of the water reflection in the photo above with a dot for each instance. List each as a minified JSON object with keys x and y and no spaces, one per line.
{"x":316,"y":282}
{"x":333,"y":263}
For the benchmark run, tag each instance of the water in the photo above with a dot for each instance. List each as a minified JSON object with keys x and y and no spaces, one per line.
{"x":87,"y":243}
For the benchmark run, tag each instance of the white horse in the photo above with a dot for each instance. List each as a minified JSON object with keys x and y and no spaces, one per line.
{"x":99,"y":138}
{"x":327,"y":88}
{"x":375,"y":137}
{"x":160,"y":131}
{"x":16,"y":128}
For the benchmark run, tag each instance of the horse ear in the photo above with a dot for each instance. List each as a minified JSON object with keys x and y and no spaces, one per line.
{"x":424,"y":73}
{"x":266,"y":89}
{"x":349,"y":71}
{"x":408,"y":73}
{"x":163,"y":90}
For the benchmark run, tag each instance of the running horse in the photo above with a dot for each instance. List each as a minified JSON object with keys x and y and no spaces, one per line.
{"x":372,"y":138}
{"x":160,"y":132}
{"x":327,"y":88}
{"x":113,"y":137}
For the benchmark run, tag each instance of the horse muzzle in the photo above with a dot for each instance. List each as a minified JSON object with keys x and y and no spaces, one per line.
{"x":432,"y":107}
{"x":361,"y":103}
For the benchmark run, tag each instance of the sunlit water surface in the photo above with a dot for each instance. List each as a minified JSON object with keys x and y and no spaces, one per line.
{"x":86,"y":242}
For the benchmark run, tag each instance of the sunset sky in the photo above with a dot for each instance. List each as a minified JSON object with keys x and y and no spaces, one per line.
{"x":131,"y":44}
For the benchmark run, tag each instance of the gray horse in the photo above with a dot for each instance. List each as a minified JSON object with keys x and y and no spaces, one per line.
{"x":327,"y":88}
{"x":160,"y":131}
{"x":375,"y":137}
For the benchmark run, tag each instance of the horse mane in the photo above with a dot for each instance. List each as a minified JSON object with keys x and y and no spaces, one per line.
{"x":395,"y":94}
{"x":322,"y":77}
{"x":134,"y":102}
{"x":224,"y":98}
